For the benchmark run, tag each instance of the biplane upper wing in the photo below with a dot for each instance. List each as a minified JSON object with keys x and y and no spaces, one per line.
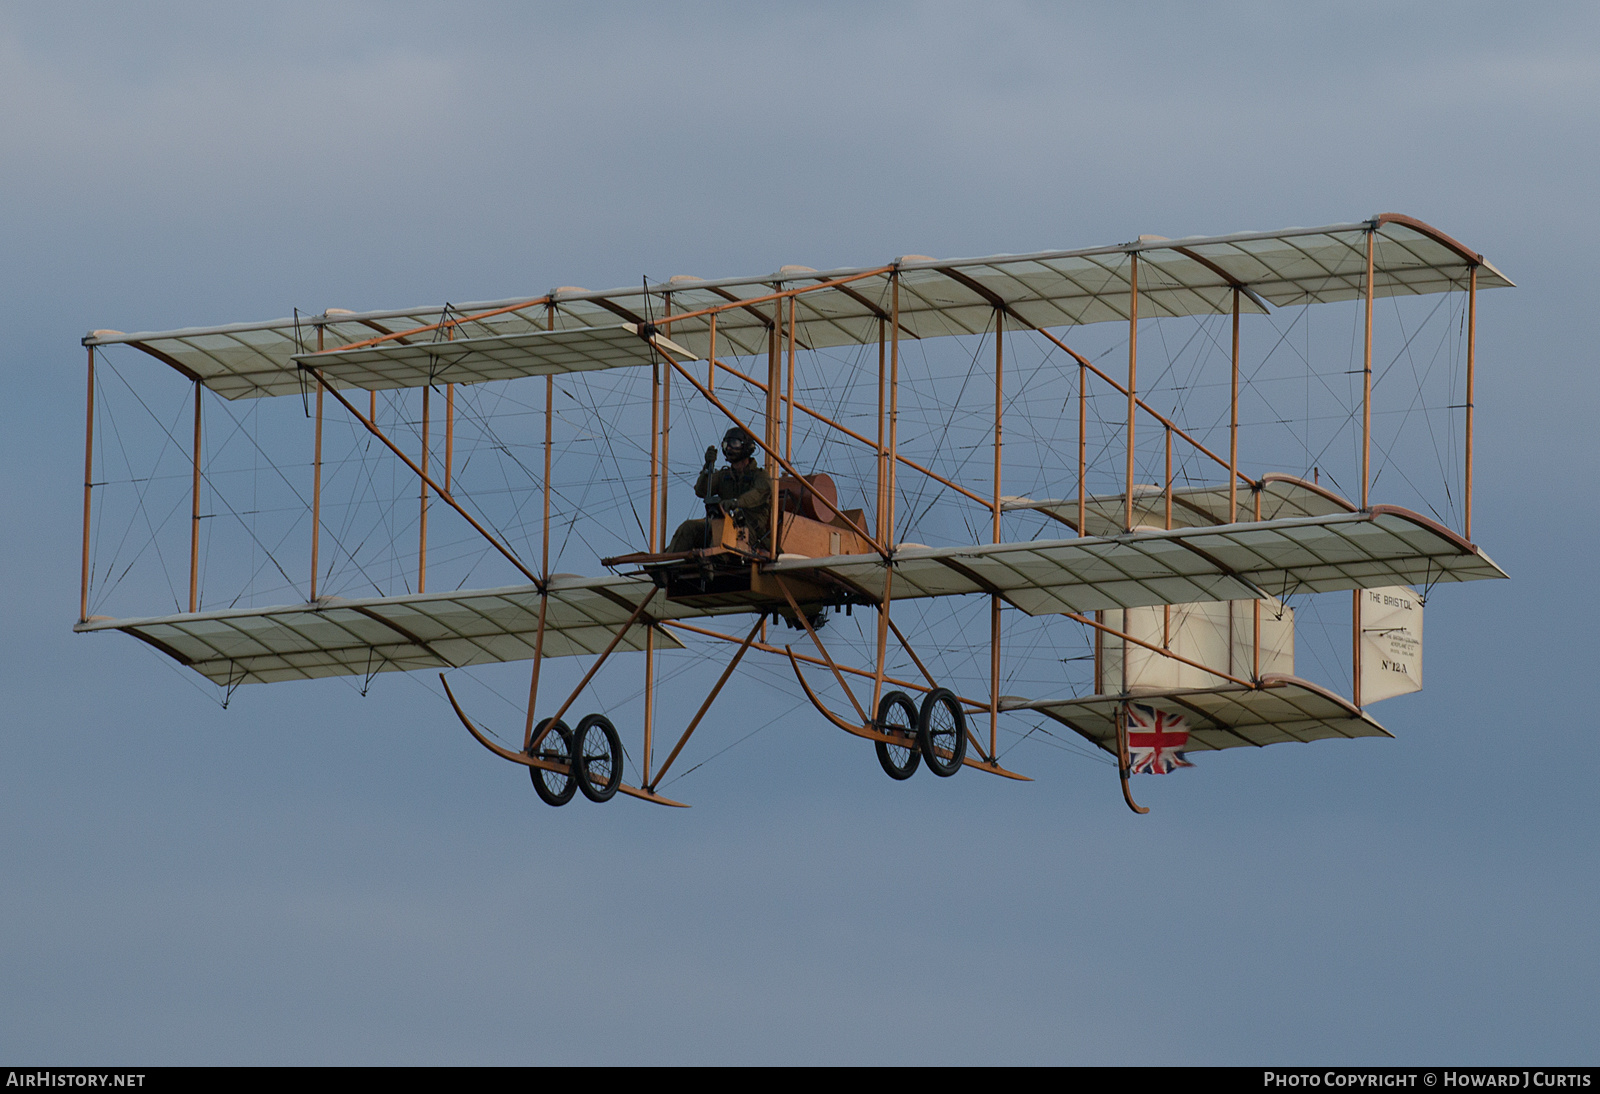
{"x":500,"y":357}
{"x":1382,"y":546}
{"x":1195,"y":275}
{"x":1283,"y":708}
{"x":338,"y":637}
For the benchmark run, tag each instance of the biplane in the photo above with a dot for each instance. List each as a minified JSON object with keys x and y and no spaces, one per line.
{"x":1178,"y":583}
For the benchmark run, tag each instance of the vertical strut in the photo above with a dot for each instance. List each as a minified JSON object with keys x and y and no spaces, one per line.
{"x":1083,"y":442}
{"x":774,"y":418}
{"x":883,"y":480}
{"x":655,"y":454}
{"x":994,"y":599}
{"x":894,"y":403}
{"x":422,"y":519}
{"x":657,"y":535}
{"x":316,"y":496}
{"x":1166,"y":609}
{"x":194,"y":520}
{"x":788,"y":434}
{"x":883,"y":534}
{"x":88,"y":487}
{"x":1355,"y":646}
{"x":1133,"y":375}
{"x":316,"y":483}
{"x":1255,"y":674}
{"x":1233,"y":422}
{"x":1472,"y":346}
{"x":449,"y":435}
{"x":666,"y":431}
{"x":1366,"y":382}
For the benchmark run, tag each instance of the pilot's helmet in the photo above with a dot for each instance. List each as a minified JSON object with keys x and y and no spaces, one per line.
{"x":738,"y":445}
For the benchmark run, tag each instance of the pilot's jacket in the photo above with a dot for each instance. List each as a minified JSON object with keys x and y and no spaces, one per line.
{"x":749,"y":490}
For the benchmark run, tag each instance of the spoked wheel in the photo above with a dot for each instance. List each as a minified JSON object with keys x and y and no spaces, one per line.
{"x":897,"y":716}
{"x":597,"y":758}
{"x":942,"y":732}
{"x":554,"y":787}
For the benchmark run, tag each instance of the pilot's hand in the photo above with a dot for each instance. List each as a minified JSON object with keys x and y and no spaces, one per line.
{"x":711,"y":458}
{"x":714,"y":501}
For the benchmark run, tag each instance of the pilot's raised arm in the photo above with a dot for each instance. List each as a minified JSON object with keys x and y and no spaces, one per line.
{"x":741,"y":488}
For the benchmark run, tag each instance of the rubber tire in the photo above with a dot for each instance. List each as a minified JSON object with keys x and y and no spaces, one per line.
{"x":583,"y":753}
{"x":552,"y":787}
{"x":935,"y":732}
{"x":892,"y":704}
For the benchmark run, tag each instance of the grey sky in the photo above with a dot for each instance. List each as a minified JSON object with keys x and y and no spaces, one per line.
{"x":314,"y":877}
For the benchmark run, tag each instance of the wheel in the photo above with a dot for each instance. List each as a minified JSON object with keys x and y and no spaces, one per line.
{"x":942,"y":732}
{"x":597,"y":755}
{"x":553,"y":787}
{"x":897,"y":715}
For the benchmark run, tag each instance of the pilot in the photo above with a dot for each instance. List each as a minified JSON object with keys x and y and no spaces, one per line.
{"x":741,"y":490}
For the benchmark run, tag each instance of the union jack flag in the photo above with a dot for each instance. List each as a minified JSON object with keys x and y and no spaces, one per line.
{"x":1155,"y":740}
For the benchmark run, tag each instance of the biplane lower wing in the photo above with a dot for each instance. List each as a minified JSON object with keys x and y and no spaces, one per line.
{"x":1283,"y":708}
{"x":1379,"y":547}
{"x":339,"y":637}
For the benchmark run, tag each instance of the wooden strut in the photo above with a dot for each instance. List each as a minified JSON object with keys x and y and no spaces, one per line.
{"x":821,"y":649}
{"x":917,"y":661}
{"x":422,"y":515}
{"x":653,"y":539}
{"x":88,"y":487}
{"x":1133,"y":378}
{"x":316,"y":485}
{"x":1366,"y":380}
{"x":1472,"y":346}
{"x":444,"y":495}
{"x":994,"y":599}
{"x":194,"y":522}
{"x":883,"y":639}
{"x":1233,"y":422}
{"x":738,"y":656}
{"x":1083,"y":439}
{"x":534,"y":761}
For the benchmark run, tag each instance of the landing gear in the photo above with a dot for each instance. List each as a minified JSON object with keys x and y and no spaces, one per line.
{"x":897,"y":716}
{"x":597,"y":758}
{"x":942,"y":732}
{"x":554,"y":787}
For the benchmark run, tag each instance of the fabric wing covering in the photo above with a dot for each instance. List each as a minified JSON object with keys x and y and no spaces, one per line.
{"x":474,"y":360}
{"x":1283,"y":708}
{"x":1384,"y":546}
{"x":1281,"y":496}
{"x":937,"y":297}
{"x":386,"y":634}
